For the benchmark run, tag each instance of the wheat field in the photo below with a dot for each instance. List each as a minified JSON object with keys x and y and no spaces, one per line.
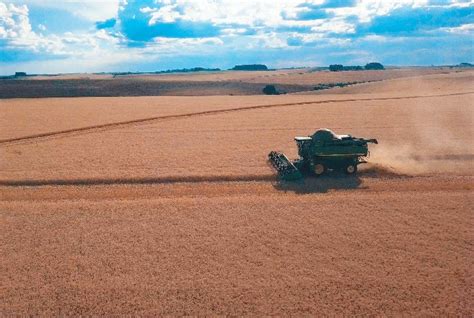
{"x":166,"y":205}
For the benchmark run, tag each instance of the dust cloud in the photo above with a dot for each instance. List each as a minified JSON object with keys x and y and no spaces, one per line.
{"x":436,"y":142}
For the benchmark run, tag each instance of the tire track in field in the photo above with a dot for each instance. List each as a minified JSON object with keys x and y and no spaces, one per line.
{"x":102,"y":127}
{"x":325,"y":180}
{"x":131,"y":181}
{"x":268,"y":177}
{"x":318,"y":184}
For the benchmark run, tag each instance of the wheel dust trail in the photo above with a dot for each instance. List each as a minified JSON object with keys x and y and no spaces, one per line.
{"x":115,"y":125}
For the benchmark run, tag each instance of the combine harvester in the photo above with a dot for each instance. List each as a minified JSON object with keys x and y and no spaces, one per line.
{"x":320,"y":152}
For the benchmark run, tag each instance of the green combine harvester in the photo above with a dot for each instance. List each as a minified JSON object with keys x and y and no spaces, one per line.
{"x":320,"y":152}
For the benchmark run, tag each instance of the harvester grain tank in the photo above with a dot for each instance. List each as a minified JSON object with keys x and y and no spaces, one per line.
{"x":320,"y":152}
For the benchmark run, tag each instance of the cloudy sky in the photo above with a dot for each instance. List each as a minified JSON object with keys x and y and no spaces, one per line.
{"x":49,"y":36}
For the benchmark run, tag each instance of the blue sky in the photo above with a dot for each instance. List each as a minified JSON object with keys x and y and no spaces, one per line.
{"x":47,"y":36}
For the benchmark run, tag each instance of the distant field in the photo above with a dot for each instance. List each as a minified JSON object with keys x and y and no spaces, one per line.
{"x":165,"y":205}
{"x":130,"y":87}
{"x":213,"y":135}
{"x":190,"y":84}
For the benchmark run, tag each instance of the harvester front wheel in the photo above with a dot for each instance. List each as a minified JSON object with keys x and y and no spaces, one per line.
{"x":350,"y":168}
{"x":319,"y":169}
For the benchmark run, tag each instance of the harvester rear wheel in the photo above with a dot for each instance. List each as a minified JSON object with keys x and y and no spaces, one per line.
{"x":319,"y":169}
{"x":350,"y":168}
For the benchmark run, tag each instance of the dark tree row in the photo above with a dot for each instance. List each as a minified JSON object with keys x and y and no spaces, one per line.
{"x":250,"y":67}
{"x":369,"y":66}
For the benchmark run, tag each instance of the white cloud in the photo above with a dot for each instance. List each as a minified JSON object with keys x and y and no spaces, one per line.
{"x":270,"y":40}
{"x":336,"y":25}
{"x":319,"y":40}
{"x":463,"y":29}
{"x":461,"y":3}
{"x":375,"y":38}
{"x":177,"y":45}
{"x":233,"y":31}
{"x":368,"y":9}
{"x":243,"y":25}
{"x":165,"y":14}
{"x":246,"y":12}
{"x":93,"y":10}
{"x":16,"y":30}
{"x":14,"y":21}
{"x":273,"y":14}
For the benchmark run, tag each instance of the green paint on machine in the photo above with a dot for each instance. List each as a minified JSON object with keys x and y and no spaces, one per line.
{"x":320,"y":152}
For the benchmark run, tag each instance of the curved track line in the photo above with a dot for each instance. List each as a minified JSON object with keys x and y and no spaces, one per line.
{"x":204,"y":113}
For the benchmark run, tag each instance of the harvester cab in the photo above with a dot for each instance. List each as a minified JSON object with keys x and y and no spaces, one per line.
{"x":320,"y":152}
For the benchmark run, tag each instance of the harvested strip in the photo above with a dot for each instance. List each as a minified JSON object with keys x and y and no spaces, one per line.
{"x":203,"y":113}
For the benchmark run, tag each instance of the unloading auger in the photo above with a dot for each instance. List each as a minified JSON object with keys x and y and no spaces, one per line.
{"x":320,"y":152}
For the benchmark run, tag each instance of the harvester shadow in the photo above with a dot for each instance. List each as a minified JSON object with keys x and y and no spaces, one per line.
{"x":322,"y":184}
{"x":339,"y":181}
